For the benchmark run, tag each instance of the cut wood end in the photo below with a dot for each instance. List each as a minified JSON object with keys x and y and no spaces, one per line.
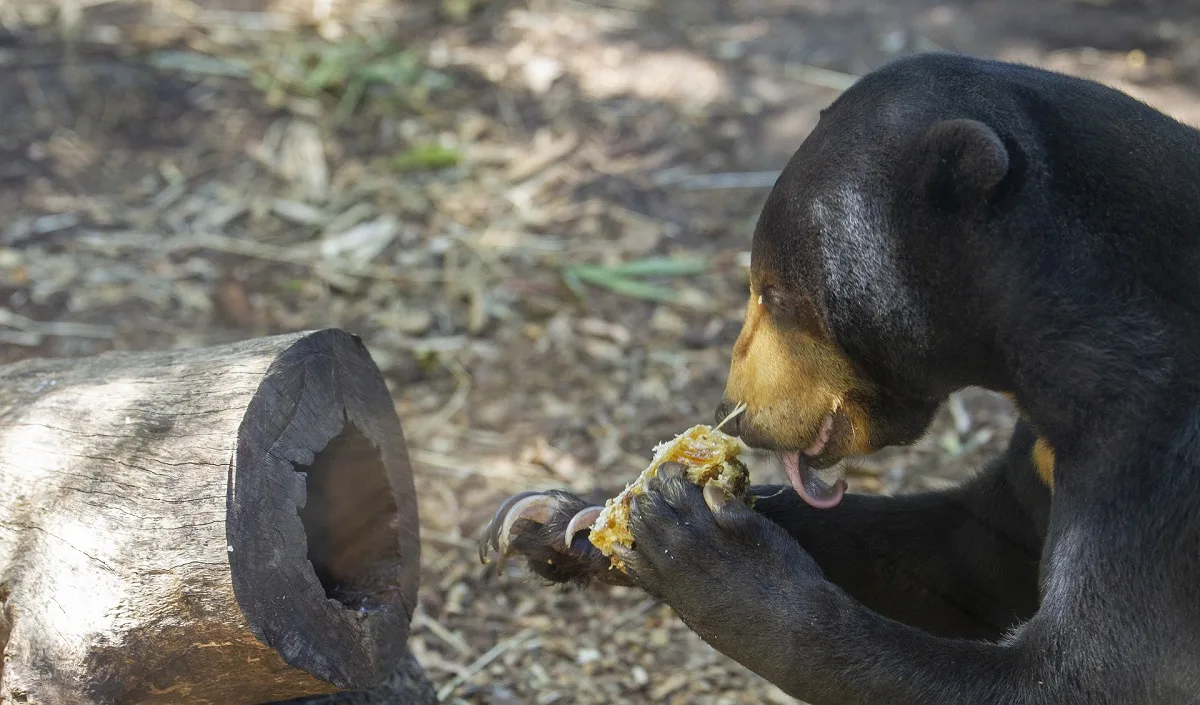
{"x":323,"y":518}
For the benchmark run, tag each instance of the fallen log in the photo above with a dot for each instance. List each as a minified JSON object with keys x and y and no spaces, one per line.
{"x":408,"y":684}
{"x":234,"y":524}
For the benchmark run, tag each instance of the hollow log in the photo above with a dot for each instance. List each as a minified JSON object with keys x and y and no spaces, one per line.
{"x":233,"y":524}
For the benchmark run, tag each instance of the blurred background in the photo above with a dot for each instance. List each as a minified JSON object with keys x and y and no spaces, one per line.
{"x":537,"y":214}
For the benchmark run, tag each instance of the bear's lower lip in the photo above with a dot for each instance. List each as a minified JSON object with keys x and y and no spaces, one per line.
{"x":822,"y":437}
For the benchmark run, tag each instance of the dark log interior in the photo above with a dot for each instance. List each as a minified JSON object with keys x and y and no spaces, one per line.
{"x":349,"y":518}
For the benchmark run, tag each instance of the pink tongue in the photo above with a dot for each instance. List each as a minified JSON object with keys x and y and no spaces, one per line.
{"x":809,"y":485}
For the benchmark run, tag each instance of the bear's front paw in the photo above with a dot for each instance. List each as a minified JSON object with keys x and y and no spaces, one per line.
{"x":550,"y":531}
{"x":708,"y":555}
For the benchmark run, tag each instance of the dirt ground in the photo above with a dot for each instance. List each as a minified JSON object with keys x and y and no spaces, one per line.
{"x":454,"y":181}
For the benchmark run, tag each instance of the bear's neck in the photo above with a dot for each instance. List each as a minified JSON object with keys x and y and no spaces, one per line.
{"x":1108,"y":384}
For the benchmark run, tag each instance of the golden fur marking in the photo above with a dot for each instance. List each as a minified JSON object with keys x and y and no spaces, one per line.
{"x":1043,"y":460}
{"x":1042,"y":453}
{"x":790,"y":380}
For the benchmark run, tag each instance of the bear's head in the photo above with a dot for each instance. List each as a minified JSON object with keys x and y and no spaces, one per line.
{"x":859,"y":321}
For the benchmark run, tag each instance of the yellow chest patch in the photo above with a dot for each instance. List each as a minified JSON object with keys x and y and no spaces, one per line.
{"x":1043,"y":452}
{"x":1043,"y":460}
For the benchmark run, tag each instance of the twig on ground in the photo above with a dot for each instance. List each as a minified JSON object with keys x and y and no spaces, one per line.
{"x":482,"y":662}
{"x":442,"y":464}
{"x":629,"y":615}
{"x":448,"y":539}
{"x":441,"y":631}
{"x":32,"y":331}
{"x":300,"y":256}
{"x":718,"y":182}
{"x":454,"y":404}
{"x":817,"y":76}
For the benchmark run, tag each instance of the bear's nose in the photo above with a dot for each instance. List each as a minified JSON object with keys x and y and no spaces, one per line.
{"x":732,"y":426}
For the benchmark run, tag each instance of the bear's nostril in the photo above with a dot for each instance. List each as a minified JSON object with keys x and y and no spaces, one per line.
{"x":724,"y":409}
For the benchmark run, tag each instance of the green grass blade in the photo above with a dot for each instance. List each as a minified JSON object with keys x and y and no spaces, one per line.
{"x":423,"y":158}
{"x":626,"y":287}
{"x":652,"y":267}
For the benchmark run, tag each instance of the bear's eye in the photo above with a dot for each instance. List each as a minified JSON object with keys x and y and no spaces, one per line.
{"x":789,"y":309}
{"x":771,"y":299}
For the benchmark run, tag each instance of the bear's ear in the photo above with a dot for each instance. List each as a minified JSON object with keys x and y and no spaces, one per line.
{"x":961,"y":162}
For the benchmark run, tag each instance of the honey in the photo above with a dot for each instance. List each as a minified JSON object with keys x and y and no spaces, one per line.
{"x":708,"y":456}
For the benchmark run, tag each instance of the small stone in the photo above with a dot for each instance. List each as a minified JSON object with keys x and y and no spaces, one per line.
{"x":603,"y":350}
{"x":640,"y":677}
{"x":600,"y":328}
{"x":10,"y":257}
{"x":667,"y":321}
{"x":673,"y":683}
{"x":695,"y":299}
{"x":541,"y":72}
{"x":893,"y":42}
{"x":455,"y":597}
{"x":414,"y":322}
{"x":493,"y":414}
{"x":730,"y":50}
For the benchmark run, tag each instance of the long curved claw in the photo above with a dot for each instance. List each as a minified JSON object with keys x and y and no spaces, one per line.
{"x":715,"y":497}
{"x":490,"y":539}
{"x":538,"y":508}
{"x":582,"y":520}
{"x":531,"y":506}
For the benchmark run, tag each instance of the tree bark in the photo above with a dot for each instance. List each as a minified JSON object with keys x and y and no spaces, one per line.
{"x":234,"y":524}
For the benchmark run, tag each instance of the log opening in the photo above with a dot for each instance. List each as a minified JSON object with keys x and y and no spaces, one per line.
{"x":351,"y":549}
{"x":315,"y":443}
